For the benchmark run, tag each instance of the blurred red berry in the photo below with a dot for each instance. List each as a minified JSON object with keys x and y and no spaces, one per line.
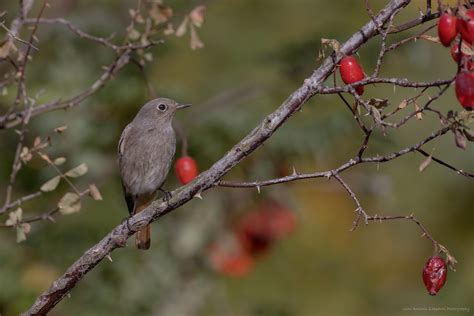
{"x":447,"y":28}
{"x":466,"y":26}
{"x":465,"y":89}
{"x":186,"y":169}
{"x":229,"y":258}
{"x":434,"y":274}
{"x":351,"y":72}
{"x":257,"y":230}
{"x":254,"y":234}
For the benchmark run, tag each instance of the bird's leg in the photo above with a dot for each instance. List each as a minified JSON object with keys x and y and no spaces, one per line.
{"x":166,"y":195}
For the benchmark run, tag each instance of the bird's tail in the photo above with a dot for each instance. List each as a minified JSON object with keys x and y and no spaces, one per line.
{"x":142,"y":239}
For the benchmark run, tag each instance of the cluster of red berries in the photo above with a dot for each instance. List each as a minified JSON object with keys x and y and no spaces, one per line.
{"x":449,"y":27}
{"x":235,"y":254}
{"x":186,"y":169}
{"x":434,"y":274}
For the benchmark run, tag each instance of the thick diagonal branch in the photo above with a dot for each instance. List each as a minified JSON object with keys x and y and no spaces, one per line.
{"x":119,"y":235}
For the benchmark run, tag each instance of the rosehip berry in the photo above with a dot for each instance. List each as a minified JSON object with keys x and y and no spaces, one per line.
{"x":434,"y":274}
{"x":447,"y":28}
{"x":351,"y":72}
{"x":186,"y":169}
{"x":465,"y":89}
{"x":466,"y":27}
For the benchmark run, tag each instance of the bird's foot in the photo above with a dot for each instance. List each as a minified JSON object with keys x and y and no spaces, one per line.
{"x":166,"y":195}
{"x":126,"y":220}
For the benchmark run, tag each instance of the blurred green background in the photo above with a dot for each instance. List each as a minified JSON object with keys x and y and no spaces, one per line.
{"x":256,"y":53}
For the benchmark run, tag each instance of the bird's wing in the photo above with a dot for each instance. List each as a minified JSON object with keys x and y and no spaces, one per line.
{"x":129,"y":198}
{"x":123,"y":140}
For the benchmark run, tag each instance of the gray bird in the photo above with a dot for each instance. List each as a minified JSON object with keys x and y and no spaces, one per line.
{"x":145,"y":151}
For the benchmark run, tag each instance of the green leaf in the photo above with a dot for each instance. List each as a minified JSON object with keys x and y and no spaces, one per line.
{"x":70,"y":203}
{"x":77,"y":171}
{"x":51,"y":184}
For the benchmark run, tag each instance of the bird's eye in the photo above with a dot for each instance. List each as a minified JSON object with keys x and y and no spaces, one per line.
{"x":162,"y":107}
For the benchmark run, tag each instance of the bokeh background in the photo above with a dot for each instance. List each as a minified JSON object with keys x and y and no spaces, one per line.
{"x":256,"y":53}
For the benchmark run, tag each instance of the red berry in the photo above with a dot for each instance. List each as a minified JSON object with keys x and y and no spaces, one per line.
{"x":465,"y":89}
{"x":351,"y":72}
{"x":186,"y":169}
{"x":447,"y":29}
{"x":466,"y":26}
{"x":434,"y":274}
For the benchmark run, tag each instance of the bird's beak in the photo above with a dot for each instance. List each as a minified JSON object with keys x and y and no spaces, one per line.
{"x":183,"y":106}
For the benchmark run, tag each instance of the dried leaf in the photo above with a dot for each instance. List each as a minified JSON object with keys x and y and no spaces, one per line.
{"x":160,"y":13}
{"x":25,"y":155}
{"x":403,"y":104}
{"x":332,"y":43}
{"x":77,"y":171}
{"x":148,"y":57}
{"x":425,"y":163}
{"x":44,"y":157}
{"x":460,"y":139}
{"x":6,"y":47}
{"x":14,"y":217}
{"x":21,"y":231}
{"x":379,"y":103}
{"x":59,"y":161}
{"x":133,"y":34}
{"x":433,"y":39}
{"x":469,"y":135}
{"x":51,"y":184}
{"x":183,"y":27}
{"x":37,"y":141}
{"x":419,"y":115}
{"x":197,"y":15}
{"x":376,"y":114}
{"x":466,"y":49}
{"x":70,"y":203}
{"x":169,"y":29}
{"x":60,"y":129}
{"x":196,"y":42}
{"x":451,"y":261}
{"x":95,"y":193}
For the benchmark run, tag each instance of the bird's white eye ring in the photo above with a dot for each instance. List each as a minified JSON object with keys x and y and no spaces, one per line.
{"x":162,"y":107}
